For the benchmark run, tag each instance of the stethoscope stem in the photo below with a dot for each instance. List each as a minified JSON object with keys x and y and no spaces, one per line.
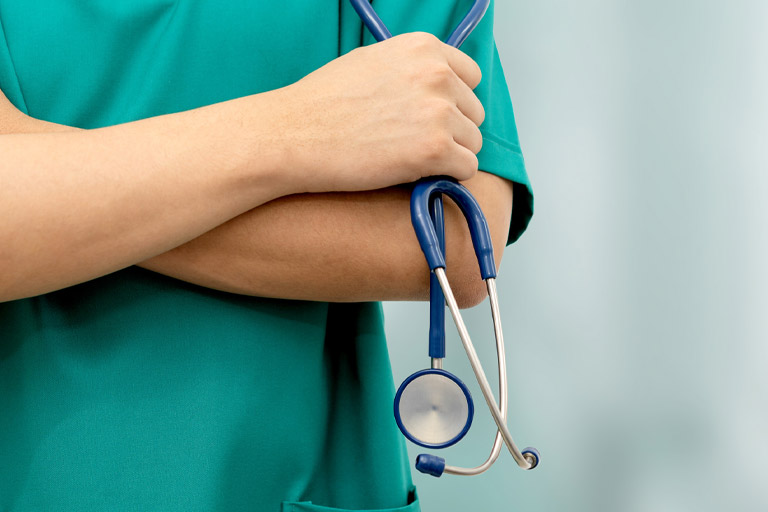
{"x":477,"y":368}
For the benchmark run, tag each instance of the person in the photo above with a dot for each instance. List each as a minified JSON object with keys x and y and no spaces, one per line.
{"x":203,"y":204}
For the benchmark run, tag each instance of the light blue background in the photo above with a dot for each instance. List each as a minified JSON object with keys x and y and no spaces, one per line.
{"x":635,"y":305}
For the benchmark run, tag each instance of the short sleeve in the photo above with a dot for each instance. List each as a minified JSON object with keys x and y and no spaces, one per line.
{"x":9,"y":83}
{"x":501,"y":154}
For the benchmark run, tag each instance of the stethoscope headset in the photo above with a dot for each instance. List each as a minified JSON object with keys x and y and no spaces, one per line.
{"x":433,"y":408}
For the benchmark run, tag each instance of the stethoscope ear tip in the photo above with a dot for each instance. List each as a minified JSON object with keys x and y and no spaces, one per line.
{"x":532,"y":455}
{"x":430,"y":464}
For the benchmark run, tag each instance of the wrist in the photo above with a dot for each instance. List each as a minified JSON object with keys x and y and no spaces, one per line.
{"x":263,"y":137}
{"x":301,"y":148}
{"x":251,"y":144}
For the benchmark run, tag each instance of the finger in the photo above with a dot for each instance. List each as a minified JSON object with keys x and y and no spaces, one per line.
{"x":463,"y":164}
{"x":466,"y":68}
{"x":467,"y":134}
{"x":456,"y":161}
{"x":468,"y":103}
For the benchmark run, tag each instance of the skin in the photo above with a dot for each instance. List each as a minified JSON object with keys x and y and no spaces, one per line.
{"x":267,"y":192}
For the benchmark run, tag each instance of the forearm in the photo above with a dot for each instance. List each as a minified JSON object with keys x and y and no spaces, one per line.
{"x":80,"y":204}
{"x":334,"y":246}
{"x":139,"y":190}
{"x":337,"y":247}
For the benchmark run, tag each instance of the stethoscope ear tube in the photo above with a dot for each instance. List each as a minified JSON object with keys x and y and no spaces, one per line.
{"x":527,"y":460}
{"x":372,"y":20}
{"x":380,"y":31}
{"x":468,"y":24}
{"x":422,"y":193}
{"x":436,"y":298}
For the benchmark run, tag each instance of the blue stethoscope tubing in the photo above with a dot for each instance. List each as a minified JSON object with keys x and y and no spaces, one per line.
{"x":428,"y":223}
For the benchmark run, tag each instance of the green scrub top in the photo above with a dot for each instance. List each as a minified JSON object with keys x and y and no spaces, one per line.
{"x":136,"y":391}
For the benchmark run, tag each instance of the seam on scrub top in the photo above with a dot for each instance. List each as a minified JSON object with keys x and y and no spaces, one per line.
{"x":13,"y":66}
{"x":502,"y":142}
{"x":514,"y":173}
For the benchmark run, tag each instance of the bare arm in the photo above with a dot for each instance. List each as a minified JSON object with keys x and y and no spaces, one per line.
{"x":338,"y":246}
{"x":79,"y":204}
{"x":335,"y":246}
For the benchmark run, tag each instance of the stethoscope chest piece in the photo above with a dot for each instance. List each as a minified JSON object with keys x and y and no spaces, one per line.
{"x":433,"y":408}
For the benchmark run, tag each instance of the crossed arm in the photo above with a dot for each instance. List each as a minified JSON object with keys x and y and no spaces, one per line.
{"x":204,"y":229}
{"x":338,"y":247}
{"x":332,"y":246}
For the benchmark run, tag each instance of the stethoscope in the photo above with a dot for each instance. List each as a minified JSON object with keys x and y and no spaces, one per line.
{"x":433,"y":408}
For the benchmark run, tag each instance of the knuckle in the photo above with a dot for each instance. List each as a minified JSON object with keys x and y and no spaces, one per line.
{"x":435,"y":146}
{"x":437,"y":76}
{"x":442,"y":111}
{"x":422,"y":39}
{"x":437,"y":113}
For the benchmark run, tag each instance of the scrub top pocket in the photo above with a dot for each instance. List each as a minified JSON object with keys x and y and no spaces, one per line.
{"x":308,"y":506}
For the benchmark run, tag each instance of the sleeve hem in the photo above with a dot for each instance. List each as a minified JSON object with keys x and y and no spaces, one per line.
{"x":504,"y":159}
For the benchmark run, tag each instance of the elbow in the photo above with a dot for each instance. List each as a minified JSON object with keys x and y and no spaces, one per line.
{"x":463,"y":271}
{"x":467,"y":285}
{"x":495,"y":197}
{"x":471,"y":295}
{"x":396,"y":269}
{"x":462,"y":268}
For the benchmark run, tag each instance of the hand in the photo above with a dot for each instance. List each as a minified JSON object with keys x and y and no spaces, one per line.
{"x":384,"y":114}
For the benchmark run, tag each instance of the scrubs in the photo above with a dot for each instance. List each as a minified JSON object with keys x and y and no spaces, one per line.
{"x":136,"y":391}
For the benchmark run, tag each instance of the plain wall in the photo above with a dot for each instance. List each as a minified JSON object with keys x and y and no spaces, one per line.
{"x":635,"y":305}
